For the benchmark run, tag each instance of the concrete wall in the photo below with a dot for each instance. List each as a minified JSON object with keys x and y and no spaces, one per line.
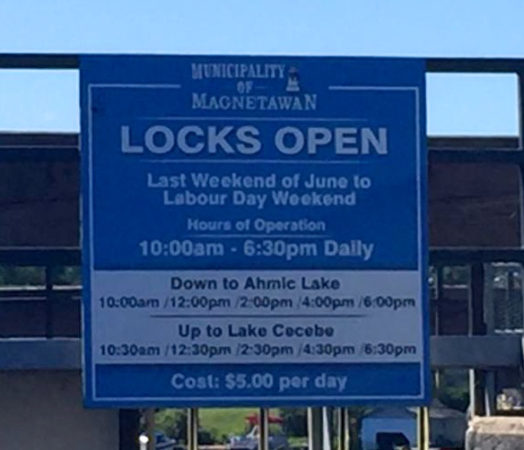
{"x":42,"y":410}
{"x":495,"y":433}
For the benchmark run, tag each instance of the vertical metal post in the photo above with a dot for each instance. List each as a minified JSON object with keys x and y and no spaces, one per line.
{"x":508,"y":295}
{"x":49,"y":300}
{"x":422,"y":429}
{"x":476,"y":290}
{"x":342,"y":429}
{"x":438,"y":310}
{"x":490,"y":394}
{"x":315,"y":429}
{"x":520,"y":75}
{"x":263,"y":435}
{"x":489,"y":317}
{"x":347,"y":431}
{"x":326,"y":428}
{"x":150,"y":428}
{"x":129,"y":429}
{"x":192,"y":429}
{"x":477,"y":327}
{"x":440,"y":296}
{"x":489,"y":299}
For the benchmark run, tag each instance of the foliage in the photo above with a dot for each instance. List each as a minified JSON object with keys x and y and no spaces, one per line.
{"x":173,"y":422}
{"x":217,"y":425}
{"x":35,"y":276}
{"x":295,"y":421}
{"x":456,"y":275}
{"x":21,"y":276}
{"x":225,"y":422}
{"x":453,"y":389}
{"x":67,"y":275}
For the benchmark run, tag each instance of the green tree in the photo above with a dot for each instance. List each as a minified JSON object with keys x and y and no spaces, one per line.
{"x":294,"y":421}
{"x":173,"y":422}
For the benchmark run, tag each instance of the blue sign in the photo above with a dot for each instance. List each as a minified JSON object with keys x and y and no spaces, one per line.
{"x":254,"y":231}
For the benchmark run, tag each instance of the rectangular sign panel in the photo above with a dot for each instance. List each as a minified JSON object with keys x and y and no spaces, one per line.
{"x":254,"y":230}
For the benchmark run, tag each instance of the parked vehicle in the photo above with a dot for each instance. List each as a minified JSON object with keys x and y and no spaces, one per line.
{"x":162,"y":442}
{"x":391,"y":428}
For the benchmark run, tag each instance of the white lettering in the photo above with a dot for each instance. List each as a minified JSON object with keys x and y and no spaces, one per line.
{"x":126,"y":138}
{"x":249,"y":143}
{"x":182,"y":140}
{"x":380,"y":143}
{"x":316,"y":137}
{"x":297,"y":136}
{"x":165,"y":134}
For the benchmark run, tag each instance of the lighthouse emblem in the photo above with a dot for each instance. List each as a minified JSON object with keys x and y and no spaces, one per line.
{"x":293,"y":80}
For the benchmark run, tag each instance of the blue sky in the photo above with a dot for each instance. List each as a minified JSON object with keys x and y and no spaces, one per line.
{"x":457,"y":105}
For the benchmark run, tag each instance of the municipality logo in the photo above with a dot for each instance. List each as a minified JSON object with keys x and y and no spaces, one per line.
{"x":293,"y":80}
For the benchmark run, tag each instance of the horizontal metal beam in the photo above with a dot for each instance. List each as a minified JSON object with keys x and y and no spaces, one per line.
{"x":481,"y":155}
{"x":40,"y":256}
{"x":72,"y":61}
{"x":17,"y":147}
{"x":39,"y":61}
{"x":39,"y":154}
{"x":25,"y":294}
{"x":51,"y":139}
{"x":71,"y":256}
{"x":471,"y":142}
{"x":446,"y":352}
{"x":468,"y":255}
{"x":40,"y":354}
{"x":65,"y":147}
{"x":486,"y":65}
{"x":476,"y":351}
